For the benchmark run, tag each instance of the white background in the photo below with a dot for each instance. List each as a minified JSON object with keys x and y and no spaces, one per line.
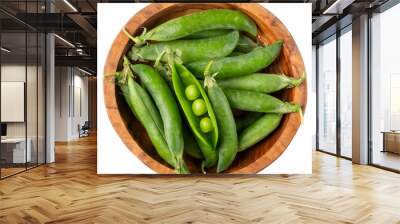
{"x":113,"y":157}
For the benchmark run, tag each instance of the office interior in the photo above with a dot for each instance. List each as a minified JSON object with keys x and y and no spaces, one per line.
{"x":49,"y":69}
{"x":355,"y":67}
{"x":47,"y":81}
{"x":49,"y":93}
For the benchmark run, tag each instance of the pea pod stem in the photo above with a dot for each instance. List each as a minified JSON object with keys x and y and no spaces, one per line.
{"x":240,"y":65}
{"x":137,"y":40}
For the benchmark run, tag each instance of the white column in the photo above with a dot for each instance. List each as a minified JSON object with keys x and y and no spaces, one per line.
{"x":360,"y":90}
{"x":50,"y":93}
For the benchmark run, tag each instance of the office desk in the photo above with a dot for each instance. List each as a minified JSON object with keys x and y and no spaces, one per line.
{"x":16,"y":147}
{"x":391,"y":141}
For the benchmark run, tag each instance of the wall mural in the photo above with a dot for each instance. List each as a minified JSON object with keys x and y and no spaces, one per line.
{"x":207,"y":88}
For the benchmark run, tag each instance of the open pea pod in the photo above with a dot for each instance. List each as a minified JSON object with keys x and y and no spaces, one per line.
{"x":181,"y":78}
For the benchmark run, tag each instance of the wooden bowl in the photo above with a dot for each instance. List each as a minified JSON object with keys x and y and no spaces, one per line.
{"x":270,"y":29}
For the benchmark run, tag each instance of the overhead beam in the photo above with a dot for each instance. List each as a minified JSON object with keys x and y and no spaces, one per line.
{"x":78,"y":61}
{"x":86,"y":26}
{"x":321,"y":21}
{"x":331,"y":30}
{"x":338,"y":6}
{"x":49,"y":22}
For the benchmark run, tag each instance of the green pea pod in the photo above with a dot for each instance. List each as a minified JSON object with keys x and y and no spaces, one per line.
{"x":166,"y":104}
{"x":181,"y":77}
{"x":199,"y":21}
{"x":189,"y":50}
{"x":258,"y":102}
{"x":130,"y":90}
{"x":235,"y":53}
{"x":260,"y":82}
{"x":228,"y":140}
{"x":245,"y":64}
{"x":245,"y":44}
{"x":258,"y":130}
{"x":152,"y":109}
{"x":191,"y":147}
{"x":148,"y":102}
{"x":208,"y":33}
{"x":244,"y":121}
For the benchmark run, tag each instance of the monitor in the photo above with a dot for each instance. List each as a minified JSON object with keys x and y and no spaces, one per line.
{"x":3,"y":129}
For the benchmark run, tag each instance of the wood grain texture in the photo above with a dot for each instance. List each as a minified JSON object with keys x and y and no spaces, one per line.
{"x":70,"y":191}
{"x":270,"y":30}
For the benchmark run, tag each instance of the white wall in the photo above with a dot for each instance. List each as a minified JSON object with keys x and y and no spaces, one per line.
{"x":81,"y":85}
{"x":71,"y":94}
{"x":33,"y":127}
{"x":16,"y":73}
{"x":62,"y":82}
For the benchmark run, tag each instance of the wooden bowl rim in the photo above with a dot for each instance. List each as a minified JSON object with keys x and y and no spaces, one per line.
{"x":111,"y":65}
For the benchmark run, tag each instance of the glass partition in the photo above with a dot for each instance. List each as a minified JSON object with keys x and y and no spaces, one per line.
{"x":22,"y":77}
{"x":385,"y":89}
{"x":327,"y":96}
{"x":346,"y":93}
{"x":15,"y":150}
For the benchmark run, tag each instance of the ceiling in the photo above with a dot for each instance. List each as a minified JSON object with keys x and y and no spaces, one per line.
{"x":76,"y":21}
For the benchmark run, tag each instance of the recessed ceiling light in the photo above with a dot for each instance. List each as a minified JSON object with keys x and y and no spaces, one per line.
{"x":338,"y":6}
{"x":70,"y":5}
{"x":84,"y":71}
{"x":64,"y":40}
{"x":5,"y":50}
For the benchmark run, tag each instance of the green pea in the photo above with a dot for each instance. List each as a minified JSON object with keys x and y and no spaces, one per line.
{"x":188,"y":50}
{"x":199,"y":21}
{"x":192,"y":92}
{"x":244,"y":64}
{"x":260,"y":82}
{"x":199,"y":107}
{"x":206,"y":125}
